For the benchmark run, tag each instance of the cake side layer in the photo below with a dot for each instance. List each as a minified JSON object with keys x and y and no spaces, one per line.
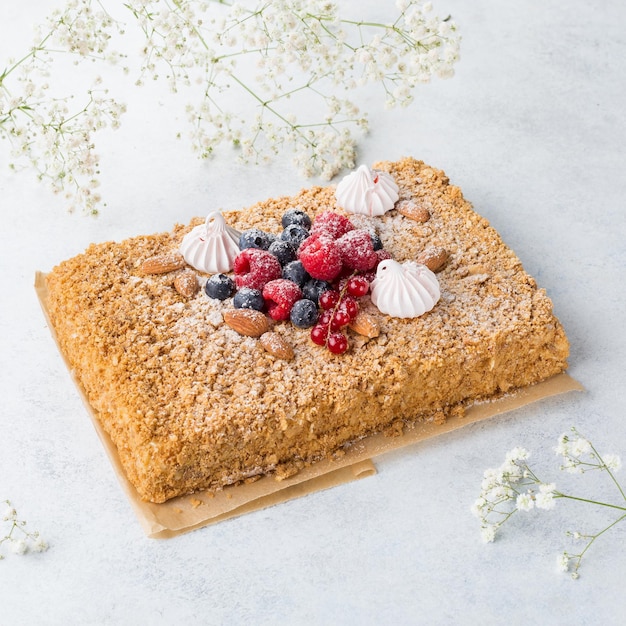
{"x":191,"y":404}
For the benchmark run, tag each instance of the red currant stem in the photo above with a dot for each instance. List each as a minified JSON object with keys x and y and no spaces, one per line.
{"x":342,"y":293}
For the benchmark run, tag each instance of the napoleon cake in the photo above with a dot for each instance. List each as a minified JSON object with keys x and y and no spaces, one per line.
{"x":259,"y":341}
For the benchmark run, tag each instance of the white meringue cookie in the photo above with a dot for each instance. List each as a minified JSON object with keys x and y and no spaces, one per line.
{"x":212,"y":246}
{"x":404,"y":290}
{"x":367,"y":192}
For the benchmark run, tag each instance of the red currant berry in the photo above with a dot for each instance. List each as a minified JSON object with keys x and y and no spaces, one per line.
{"x":350,"y":306}
{"x":325,"y":318}
{"x":329,"y":299}
{"x":337,"y":343}
{"x":319,"y":334}
{"x":340,"y":319}
{"x":358,"y":286}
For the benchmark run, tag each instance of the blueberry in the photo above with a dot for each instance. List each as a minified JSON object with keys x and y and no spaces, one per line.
{"x":255,"y":238}
{"x":296,"y":216}
{"x":314,"y":288}
{"x":283,"y":251}
{"x":294,"y":234}
{"x":295,"y":272}
{"x":247,"y":298}
{"x":220,"y":287}
{"x":376,"y":241}
{"x":303,"y":313}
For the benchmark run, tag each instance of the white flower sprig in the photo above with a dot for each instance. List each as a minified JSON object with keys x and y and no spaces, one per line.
{"x":514,"y":487}
{"x":246,"y":70}
{"x":18,"y":538}
{"x":47,"y":129}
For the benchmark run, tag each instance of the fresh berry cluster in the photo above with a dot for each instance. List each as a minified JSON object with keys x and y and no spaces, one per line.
{"x":312,"y":274}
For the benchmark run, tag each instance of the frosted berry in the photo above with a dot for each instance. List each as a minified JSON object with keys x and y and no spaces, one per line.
{"x":294,"y":234}
{"x":321,"y":257}
{"x":313,"y":288}
{"x":319,"y":334}
{"x":254,"y":268}
{"x":303,"y":313}
{"x":329,"y":299}
{"x":357,"y":286}
{"x":284,"y":251}
{"x":376,"y":241}
{"x":219,"y":287}
{"x":255,"y":238}
{"x":337,"y":343}
{"x":280,"y":295}
{"x":350,"y":306}
{"x":294,"y":271}
{"x":340,"y":319}
{"x":296,"y":216}
{"x":332,"y":224}
{"x":382,"y":255}
{"x":247,"y":298}
{"x":357,"y":250}
{"x":325,"y":319}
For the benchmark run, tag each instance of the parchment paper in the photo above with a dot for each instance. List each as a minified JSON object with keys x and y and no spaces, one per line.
{"x":187,"y":513}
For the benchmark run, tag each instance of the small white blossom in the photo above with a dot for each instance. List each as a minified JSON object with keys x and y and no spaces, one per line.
{"x":612,"y":462}
{"x":579,"y":447}
{"x":524,"y":502}
{"x":488,"y":533}
{"x":562,"y":562}
{"x":19,"y":546}
{"x":9,"y":514}
{"x":545,"y":498}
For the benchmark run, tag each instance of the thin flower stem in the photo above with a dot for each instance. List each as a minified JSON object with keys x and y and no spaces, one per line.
{"x":605,"y":504}
{"x":579,"y":557}
{"x":604,"y":466}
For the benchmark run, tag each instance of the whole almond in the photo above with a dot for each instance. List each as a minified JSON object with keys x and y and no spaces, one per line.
{"x":248,"y":322}
{"x":365,"y":324}
{"x":434,"y":258}
{"x":276,"y":345}
{"x":409,"y":209}
{"x":162,"y":263}
{"x":186,"y":283}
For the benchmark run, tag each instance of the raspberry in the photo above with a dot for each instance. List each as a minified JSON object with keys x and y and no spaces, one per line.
{"x":382,"y":256}
{"x":280,"y":296}
{"x":331,"y":224}
{"x":254,"y":268}
{"x":321,"y":257}
{"x":357,"y":250}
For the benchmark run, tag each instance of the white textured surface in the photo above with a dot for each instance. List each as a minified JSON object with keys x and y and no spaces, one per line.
{"x":532,"y":129}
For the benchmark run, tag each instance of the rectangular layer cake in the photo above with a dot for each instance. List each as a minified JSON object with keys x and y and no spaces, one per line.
{"x":194,"y":403}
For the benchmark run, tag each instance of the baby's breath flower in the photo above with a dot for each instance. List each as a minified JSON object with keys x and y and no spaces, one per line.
{"x":612,"y":462}
{"x":488,"y":533}
{"x":562,"y":562}
{"x":524,"y":502}
{"x":545,"y":498}
{"x":503,"y":491}
{"x":298,"y":50}
{"x":17,"y":537}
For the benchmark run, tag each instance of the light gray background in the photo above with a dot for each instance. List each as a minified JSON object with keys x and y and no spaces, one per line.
{"x":532,"y":129}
